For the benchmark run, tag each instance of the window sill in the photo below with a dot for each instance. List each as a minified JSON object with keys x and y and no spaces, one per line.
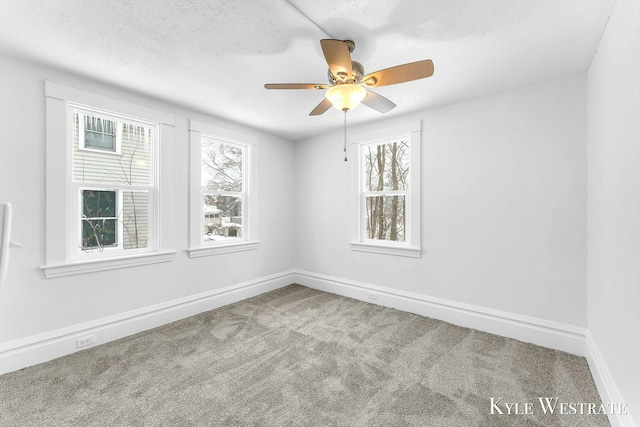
{"x":405,"y":251}
{"x":95,"y":265}
{"x":222,"y":249}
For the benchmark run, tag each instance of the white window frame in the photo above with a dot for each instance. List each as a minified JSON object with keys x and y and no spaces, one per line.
{"x":411,"y":247}
{"x":198,"y":247}
{"x":61,"y":227}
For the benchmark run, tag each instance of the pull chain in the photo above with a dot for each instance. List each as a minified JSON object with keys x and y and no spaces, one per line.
{"x":345,"y":135}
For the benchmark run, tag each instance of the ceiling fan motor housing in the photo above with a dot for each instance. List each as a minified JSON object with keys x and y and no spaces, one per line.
{"x":357,"y":71}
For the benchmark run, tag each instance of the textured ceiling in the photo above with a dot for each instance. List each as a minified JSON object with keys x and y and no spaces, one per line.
{"x":215,"y":56}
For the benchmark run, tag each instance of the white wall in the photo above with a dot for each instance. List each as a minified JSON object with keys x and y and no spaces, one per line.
{"x":504,"y":209}
{"x":614,"y":206}
{"x":503,"y":205}
{"x":32,"y":305}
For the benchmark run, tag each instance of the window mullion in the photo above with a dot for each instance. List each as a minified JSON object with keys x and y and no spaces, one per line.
{"x":386,"y":193}
{"x":112,"y":186}
{"x":223,"y":193}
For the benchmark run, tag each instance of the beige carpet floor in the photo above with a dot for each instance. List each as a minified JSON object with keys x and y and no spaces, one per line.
{"x":301,"y":357}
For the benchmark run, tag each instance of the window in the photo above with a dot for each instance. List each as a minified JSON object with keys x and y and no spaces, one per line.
{"x":223,"y":198}
{"x":104,"y":208}
{"x":114,"y":196}
{"x":98,"y":133}
{"x":386,"y":191}
{"x":222,"y":172}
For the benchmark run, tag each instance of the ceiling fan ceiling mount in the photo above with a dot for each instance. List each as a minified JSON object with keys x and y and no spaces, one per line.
{"x":351,"y":45}
{"x":344,"y":71}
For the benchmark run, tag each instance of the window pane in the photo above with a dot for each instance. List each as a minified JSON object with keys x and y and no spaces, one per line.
{"x":222,"y":166}
{"x":100,"y":133}
{"x":99,"y":219}
{"x":386,"y":166}
{"x":222,"y":217}
{"x":385,"y":218}
{"x":135,"y":219}
{"x":100,"y":140}
{"x":99,"y":204}
{"x":132,"y":166}
{"x":99,"y":233}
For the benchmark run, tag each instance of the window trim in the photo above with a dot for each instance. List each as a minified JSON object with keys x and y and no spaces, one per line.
{"x":198,"y":247}
{"x":412,"y":246}
{"x":60,"y":99}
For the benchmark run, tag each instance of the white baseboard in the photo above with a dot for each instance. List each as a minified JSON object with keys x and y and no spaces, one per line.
{"x":30,"y":351}
{"x":559,"y":336}
{"x":40,"y":348}
{"x":605,"y":383}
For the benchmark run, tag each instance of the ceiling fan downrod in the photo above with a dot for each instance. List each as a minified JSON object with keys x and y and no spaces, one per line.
{"x":345,"y":134}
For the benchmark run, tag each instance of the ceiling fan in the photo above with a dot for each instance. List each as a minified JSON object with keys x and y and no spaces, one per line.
{"x":348,"y":85}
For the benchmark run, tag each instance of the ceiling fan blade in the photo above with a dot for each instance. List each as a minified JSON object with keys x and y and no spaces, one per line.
{"x":336,"y":52}
{"x":321,"y":108}
{"x":378,"y":102}
{"x":317,"y":86}
{"x":399,"y":74}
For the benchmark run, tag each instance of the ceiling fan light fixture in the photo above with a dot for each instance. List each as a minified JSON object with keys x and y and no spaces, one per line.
{"x":346,"y":96}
